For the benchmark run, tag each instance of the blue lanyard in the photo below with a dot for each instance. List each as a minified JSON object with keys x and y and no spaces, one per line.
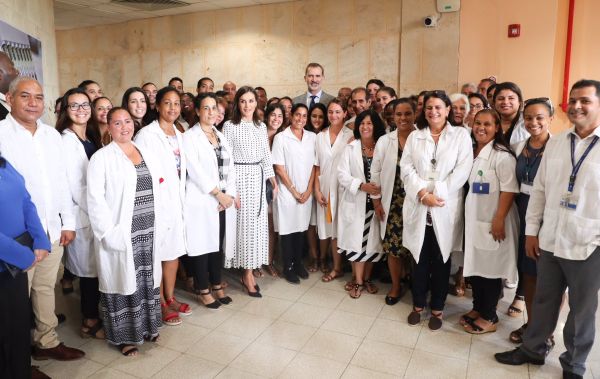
{"x":577,"y":166}
{"x":528,"y":165}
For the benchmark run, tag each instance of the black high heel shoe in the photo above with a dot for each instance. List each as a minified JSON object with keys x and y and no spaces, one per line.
{"x":223,"y":300}
{"x":214,"y":305}
{"x":251,"y":294}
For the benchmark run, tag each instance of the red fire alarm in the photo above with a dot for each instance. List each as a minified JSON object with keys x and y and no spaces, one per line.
{"x":514,"y":30}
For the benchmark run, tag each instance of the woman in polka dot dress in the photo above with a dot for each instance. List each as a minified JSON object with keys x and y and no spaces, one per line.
{"x":247,"y":136}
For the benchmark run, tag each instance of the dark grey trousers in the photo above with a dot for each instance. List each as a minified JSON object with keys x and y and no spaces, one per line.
{"x":582,"y":278}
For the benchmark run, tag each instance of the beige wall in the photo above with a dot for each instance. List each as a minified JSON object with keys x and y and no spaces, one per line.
{"x":429,"y":56}
{"x":535,"y":60}
{"x":269,"y":45}
{"x":266,"y":45}
{"x":37,"y":19}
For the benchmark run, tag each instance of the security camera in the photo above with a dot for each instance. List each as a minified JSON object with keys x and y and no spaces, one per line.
{"x":430,"y":21}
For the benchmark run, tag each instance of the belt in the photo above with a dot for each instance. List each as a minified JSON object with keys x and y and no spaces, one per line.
{"x":262,"y":180}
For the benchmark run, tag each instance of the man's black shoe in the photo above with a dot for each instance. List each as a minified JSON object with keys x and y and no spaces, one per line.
{"x":571,"y":375}
{"x":291,"y":276}
{"x":516,"y":357}
{"x":300,"y":271}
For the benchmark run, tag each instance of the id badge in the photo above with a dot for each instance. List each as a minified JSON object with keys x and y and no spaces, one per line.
{"x":568,"y":201}
{"x":481,"y":188}
{"x":432,"y":175}
{"x":526,"y":188}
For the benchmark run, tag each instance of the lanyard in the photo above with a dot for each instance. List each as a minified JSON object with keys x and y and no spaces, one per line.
{"x":577,"y":166}
{"x":528,"y":165}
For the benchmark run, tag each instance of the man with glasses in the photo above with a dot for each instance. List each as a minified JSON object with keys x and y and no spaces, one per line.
{"x":35,"y":151}
{"x":7,"y":73}
{"x":562,"y":236}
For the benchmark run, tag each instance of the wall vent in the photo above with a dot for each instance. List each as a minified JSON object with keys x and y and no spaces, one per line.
{"x":151,"y":5}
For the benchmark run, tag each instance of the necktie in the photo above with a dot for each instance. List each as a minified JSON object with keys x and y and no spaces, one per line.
{"x":312,"y":101}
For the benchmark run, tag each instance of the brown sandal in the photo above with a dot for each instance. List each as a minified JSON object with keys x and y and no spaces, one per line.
{"x":516,"y":336}
{"x":350,"y":284}
{"x":371,"y":287}
{"x":517,"y":306}
{"x":356,"y":291}
{"x":314,"y":265}
{"x":331,"y":276}
{"x":257,"y":272}
{"x":324,"y":266}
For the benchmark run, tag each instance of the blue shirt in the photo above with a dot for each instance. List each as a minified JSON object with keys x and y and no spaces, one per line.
{"x":18,"y":215}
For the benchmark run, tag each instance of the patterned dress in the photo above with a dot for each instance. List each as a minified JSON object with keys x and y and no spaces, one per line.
{"x":128,"y":319}
{"x":392,"y":242}
{"x":252,"y":157}
{"x":354,"y":256}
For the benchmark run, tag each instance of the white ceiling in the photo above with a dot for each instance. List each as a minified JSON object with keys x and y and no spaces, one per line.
{"x":70,"y":14}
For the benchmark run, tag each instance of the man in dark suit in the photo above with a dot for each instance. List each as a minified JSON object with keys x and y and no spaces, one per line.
{"x":7,"y":73}
{"x":313,"y":76}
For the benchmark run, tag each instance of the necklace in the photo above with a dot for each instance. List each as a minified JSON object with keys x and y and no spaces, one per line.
{"x":367,"y":148}
{"x":436,"y":135}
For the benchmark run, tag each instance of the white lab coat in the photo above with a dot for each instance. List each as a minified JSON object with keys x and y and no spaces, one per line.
{"x":484,"y":256}
{"x":298,"y":158}
{"x":327,"y":158}
{"x":79,"y":255}
{"x":351,"y":205}
{"x":39,"y":159}
{"x":112,"y":181}
{"x":383,"y":172}
{"x":454,"y":160}
{"x":519,"y":132}
{"x":153,"y":139}
{"x":200,"y":207}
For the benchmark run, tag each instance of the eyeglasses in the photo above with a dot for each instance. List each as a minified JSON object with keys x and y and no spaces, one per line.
{"x":477,"y":106}
{"x":539,"y":100}
{"x":437,"y":92}
{"x":74,"y":106}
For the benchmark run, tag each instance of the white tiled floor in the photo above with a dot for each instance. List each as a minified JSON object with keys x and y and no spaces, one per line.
{"x":312,"y":330}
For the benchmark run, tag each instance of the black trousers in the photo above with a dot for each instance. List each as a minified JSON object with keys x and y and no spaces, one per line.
{"x":15,"y":314}
{"x":486,"y":293}
{"x":187,"y":264}
{"x":90,"y":297}
{"x":68,"y":274}
{"x":207,"y":267}
{"x":292,"y":247}
{"x":430,"y":274}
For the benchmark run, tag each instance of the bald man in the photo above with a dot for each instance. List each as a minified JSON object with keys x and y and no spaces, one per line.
{"x":7,"y":73}
{"x":230,"y":88}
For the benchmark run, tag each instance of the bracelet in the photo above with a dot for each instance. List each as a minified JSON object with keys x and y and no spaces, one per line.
{"x":423,"y":197}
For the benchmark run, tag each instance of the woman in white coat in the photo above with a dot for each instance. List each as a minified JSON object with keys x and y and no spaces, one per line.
{"x":162,"y":138}
{"x":209,"y":211}
{"x":435,"y":165}
{"x":293,"y":157}
{"x":358,"y":232}
{"x":127,"y":217}
{"x":81,"y":139}
{"x":329,"y":147}
{"x":491,"y":222}
{"x":385,"y":172}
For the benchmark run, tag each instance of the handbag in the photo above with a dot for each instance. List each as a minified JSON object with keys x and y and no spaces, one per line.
{"x":269,"y":191}
{"x":25,"y":240}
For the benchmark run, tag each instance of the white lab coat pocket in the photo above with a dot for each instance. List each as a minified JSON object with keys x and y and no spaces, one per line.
{"x":114,"y":240}
{"x":579,"y":230}
{"x":483,"y":238}
{"x":348,"y":206}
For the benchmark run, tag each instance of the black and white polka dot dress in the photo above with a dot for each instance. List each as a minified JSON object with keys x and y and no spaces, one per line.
{"x":253,"y":166}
